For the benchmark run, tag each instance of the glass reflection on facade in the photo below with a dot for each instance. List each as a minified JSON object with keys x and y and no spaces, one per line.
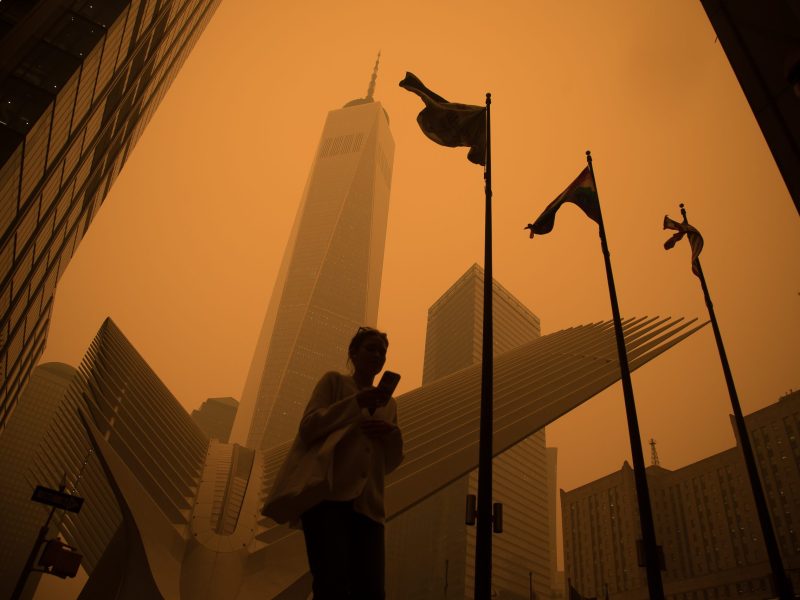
{"x":79,"y":81}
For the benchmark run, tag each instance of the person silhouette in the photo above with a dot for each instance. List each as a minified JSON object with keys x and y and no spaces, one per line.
{"x":332,"y":480}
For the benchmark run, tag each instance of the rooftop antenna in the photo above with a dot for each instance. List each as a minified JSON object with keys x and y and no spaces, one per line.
{"x":653,"y":454}
{"x":371,"y":88}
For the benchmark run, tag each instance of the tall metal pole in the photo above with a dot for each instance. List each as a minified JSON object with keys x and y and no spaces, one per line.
{"x":483,"y":537}
{"x":783,"y":585}
{"x":652,"y":562}
{"x":26,"y":570}
{"x":40,"y":539}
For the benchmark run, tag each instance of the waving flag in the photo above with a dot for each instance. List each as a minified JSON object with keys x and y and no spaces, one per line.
{"x":695,"y":239}
{"x":582,"y":192}
{"x":448,"y":123}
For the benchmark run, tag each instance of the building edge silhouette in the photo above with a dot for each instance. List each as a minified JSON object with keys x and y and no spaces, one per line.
{"x":79,"y":82}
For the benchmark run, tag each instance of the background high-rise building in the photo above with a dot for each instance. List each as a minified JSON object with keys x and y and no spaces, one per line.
{"x":79,"y":81}
{"x":704,"y":516}
{"x":430,"y":552}
{"x":215,"y":417}
{"x":330,"y":279}
{"x":20,"y":447}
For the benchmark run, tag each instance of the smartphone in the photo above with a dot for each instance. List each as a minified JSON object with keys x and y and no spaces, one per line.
{"x":388,"y":382}
{"x":387,"y":385}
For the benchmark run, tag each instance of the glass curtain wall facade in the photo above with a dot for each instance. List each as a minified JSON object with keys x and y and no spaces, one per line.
{"x":79,"y":81}
{"x":431,"y":553}
{"x":329,"y":282}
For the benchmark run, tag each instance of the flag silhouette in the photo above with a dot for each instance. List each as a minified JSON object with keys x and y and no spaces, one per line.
{"x":448,"y":123}
{"x":695,"y":240}
{"x":582,"y":192}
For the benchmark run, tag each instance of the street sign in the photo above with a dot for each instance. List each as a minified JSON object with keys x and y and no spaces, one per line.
{"x":58,"y":499}
{"x":60,"y":559}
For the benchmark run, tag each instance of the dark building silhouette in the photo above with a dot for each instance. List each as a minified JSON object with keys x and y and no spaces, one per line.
{"x":215,"y":418}
{"x":704,"y":516}
{"x":761,"y":42}
{"x":79,"y":81}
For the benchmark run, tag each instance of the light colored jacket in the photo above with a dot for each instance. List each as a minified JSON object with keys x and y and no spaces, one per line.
{"x":332,"y":459}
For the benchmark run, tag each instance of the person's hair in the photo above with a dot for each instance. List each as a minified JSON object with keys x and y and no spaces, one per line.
{"x":362,"y":334}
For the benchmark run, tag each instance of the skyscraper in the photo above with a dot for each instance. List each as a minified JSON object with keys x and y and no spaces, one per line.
{"x":330,"y":278}
{"x":431,"y":552}
{"x":79,"y":81}
{"x":215,"y":417}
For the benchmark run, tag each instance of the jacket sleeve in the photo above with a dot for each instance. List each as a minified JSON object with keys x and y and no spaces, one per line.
{"x":326,"y":412}
{"x":393,"y":446}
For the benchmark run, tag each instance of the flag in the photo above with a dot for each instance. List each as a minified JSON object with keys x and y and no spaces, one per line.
{"x":448,"y":123}
{"x":695,"y":240}
{"x":581,"y":192}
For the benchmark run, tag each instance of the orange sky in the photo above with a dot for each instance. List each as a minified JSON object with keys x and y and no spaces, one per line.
{"x":185,"y":251}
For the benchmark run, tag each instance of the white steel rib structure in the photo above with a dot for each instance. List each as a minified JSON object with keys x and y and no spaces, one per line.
{"x":255,"y":558}
{"x":534,"y":385}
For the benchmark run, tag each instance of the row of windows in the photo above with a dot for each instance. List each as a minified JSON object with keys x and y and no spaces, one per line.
{"x":342,"y":144}
{"x":706,"y":522}
{"x":30,"y":259}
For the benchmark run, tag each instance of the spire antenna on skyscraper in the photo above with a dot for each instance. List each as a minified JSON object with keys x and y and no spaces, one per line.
{"x":373,"y":79}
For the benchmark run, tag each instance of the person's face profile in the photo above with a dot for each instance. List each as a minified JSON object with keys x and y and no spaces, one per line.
{"x":370,"y":356}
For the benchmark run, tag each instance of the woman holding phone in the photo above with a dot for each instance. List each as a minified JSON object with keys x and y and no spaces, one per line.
{"x":348,"y":440}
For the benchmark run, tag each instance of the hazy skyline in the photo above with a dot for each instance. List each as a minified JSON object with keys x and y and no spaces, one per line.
{"x":184,"y":253}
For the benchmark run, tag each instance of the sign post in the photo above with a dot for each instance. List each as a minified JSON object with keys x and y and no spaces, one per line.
{"x":57,"y":499}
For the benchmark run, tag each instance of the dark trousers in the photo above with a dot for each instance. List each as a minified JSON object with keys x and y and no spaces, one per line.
{"x":345,"y":553}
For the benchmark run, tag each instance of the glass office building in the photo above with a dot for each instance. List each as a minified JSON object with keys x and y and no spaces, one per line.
{"x":79,"y":81}
{"x":431,"y":553}
{"x":330,"y":279}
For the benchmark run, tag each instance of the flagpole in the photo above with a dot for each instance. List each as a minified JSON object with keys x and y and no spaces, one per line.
{"x":783,"y":584}
{"x":652,"y":561}
{"x":483,"y":537}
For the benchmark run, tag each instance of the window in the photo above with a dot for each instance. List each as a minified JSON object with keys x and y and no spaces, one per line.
{"x":74,"y":35}
{"x":21,"y":104}
{"x":103,"y":13}
{"x":47,"y":67}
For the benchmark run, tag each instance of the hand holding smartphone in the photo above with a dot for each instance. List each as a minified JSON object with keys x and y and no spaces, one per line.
{"x":386,"y":387}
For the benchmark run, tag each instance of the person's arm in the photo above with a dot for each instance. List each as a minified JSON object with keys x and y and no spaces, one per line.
{"x":324,"y":412}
